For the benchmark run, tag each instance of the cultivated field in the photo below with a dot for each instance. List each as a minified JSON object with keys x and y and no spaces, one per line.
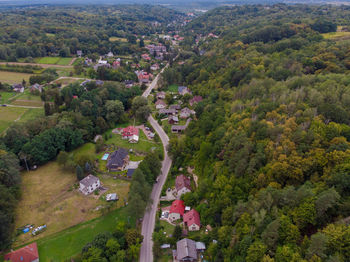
{"x":59,"y":205}
{"x":54,"y":60}
{"x":13,"y":77}
{"x":8,"y":115}
{"x":119,"y":39}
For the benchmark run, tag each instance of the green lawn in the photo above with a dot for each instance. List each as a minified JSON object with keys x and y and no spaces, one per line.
{"x":64,"y":61}
{"x":54,"y":60}
{"x":5,"y":96}
{"x":32,"y":113}
{"x":119,"y":39}
{"x":69,"y":242}
{"x":172,"y":88}
{"x":169,"y":229}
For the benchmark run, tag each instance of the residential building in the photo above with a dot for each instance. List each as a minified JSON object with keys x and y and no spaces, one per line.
{"x":110,"y":54}
{"x":167,"y":111}
{"x":129,"y":132}
{"x":182,"y":185}
{"x":28,"y":253}
{"x":116,"y":64}
{"x":19,"y":88}
{"x":183,"y":90}
{"x":177,"y":210}
{"x":118,"y":160}
{"x":173,"y":120}
{"x":128,"y":83}
{"x":89,"y":184}
{"x":160,"y":104}
{"x":176,"y":107}
{"x":192,"y":220}
{"x":79,"y":53}
{"x":186,"y":250}
{"x":154,"y":67}
{"x":36,"y":87}
{"x":161,"y":95}
{"x":186,"y":113}
{"x":178,"y":129}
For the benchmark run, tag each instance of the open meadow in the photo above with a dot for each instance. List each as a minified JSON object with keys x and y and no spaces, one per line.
{"x":13,"y":77}
{"x":60,"y":205}
{"x":69,"y":242}
{"x":54,"y":60}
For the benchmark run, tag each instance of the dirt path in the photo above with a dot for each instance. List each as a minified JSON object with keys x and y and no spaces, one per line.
{"x":72,"y":61}
{"x":35,"y":64}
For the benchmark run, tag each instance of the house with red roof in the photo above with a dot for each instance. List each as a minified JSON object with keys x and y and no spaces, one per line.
{"x":195,"y":100}
{"x":146,"y":57}
{"x":192,"y":220}
{"x":182,"y":185}
{"x":25,"y":254}
{"x":130,"y":132}
{"x":177,"y":210}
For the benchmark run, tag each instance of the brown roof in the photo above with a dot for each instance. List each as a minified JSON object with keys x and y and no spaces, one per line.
{"x":182,"y":181}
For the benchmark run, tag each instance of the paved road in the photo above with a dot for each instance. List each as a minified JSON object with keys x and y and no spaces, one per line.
{"x":153,"y":84}
{"x":146,"y":253}
{"x":34,"y":64}
{"x":23,"y":106}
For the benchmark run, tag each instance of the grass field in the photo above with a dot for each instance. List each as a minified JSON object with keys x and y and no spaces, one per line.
{"x":337,"y":35}
{"x":172,"y":88}
{"x":8,"y":115}
{"x":53,"y":60}
{"x":119,"y":39}
{"x":59,"y":205}
{"x":13,"y":77}
{"x":67,"y":243}
{"x":6,"y":96}
{"x":31,"y":113}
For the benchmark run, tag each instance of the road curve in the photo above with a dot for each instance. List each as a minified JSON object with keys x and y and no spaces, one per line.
{"x":146,"y":252}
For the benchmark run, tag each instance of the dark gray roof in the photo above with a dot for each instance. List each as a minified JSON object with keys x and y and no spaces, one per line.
{"x":186,"y":248}
{"x":117,"y":158}
{"x":130,"y":172}
{"x":89,"y":180}
{"x":167,"y":111}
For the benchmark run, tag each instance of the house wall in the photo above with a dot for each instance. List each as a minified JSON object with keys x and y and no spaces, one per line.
{"x":160,"y":106}
{"x":193,"y":227}
{"x":174,"y":216}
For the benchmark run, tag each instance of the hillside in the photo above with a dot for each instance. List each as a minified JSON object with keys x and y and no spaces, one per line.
{"x":271,"y":144}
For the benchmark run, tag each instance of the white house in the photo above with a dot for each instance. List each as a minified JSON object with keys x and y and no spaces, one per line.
{"x":89,"y":184}
{"x":160,"y":104}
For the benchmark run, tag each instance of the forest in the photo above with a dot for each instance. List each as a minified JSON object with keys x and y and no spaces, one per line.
{"x":62,"y":30}
{"x":271,"y":144}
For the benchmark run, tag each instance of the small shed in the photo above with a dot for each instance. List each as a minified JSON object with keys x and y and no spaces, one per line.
{"x":112,"y":197}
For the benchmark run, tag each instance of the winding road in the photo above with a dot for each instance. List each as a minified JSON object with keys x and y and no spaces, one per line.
{"x":146,"y":253}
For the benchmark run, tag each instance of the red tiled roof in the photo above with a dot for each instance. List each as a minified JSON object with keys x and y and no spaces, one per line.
{"x":130,"y":131}
{"x":192,"y":217}
{"x":195,"y":99}
{"x":178,"y":206}
{"x":25,"y":254}
{"x":182,"y":181}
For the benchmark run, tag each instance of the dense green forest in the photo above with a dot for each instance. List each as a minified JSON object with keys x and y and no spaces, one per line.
{"x":61,"y":30}
{"x":271,"y":144}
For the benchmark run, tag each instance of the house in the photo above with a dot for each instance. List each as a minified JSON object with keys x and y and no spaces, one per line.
{"x":110,"y":54}
{"x":116,"y":64}
{"x":182,"y":185}
{"x":36,"y":87}
{"x":195,"y":100}
{"x":134,"y":139}
{"x":143,"y":77}
{"x":183,"y":90}
{"x":192,"y":220}
{"x":176,"y":107}
{"x":112,"y":197}
{"x":89,"y":184}
{"x":79,"y":53}
{"x":200,"y":246}
{"x":146,"y":57}
{"x":118,"y":160}
{"x":185,"y":250}
{"x":160,"y":104}
{"x":186,"y":113}
{"x":177,"y":129}
{"x":173,"y":120}
{"x":154,"y":67}
{"x":18,"y":88}
{"x":28,"y":253}
{"x":128,"y":83}
{"x":161,"y":95}
{"x":129,"y":131}
{"x":85,"y":82}
{"x":177,"y":210}
{"x":167,"y":111}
